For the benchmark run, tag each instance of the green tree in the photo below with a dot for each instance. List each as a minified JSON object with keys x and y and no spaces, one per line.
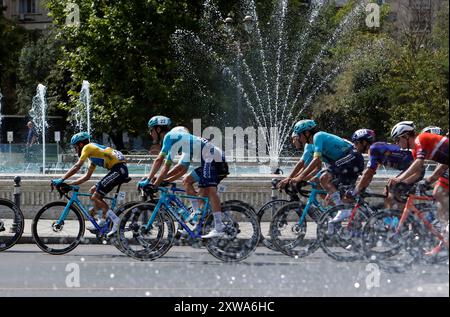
{"x":123,"y":49}
{"x":12,"y":38}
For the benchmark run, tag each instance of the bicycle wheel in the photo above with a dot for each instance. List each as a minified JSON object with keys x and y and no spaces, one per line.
{"x":339,"y":237}
{"x":119,"y":211}
{"x":11,"y":224}
{"x":53,"y":238}
{"x":138,"y":242}
{"x":290,"y":237}
{"x":392,"y":250}
{"x":265,"y":216}
{"x":241,"y":237}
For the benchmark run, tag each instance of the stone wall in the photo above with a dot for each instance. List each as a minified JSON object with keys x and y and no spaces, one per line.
{"x":36,"y":190}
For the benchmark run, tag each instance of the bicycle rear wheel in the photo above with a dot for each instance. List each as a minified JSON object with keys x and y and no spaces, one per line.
{"x":53,"y":238}
{"x":290,"y":237}
{"x":145,"y":244}
{"x":241,"y":237}
{"x":11,"y":224}
{"x":265,"y":216}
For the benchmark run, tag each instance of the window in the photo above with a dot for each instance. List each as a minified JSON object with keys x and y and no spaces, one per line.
{"x":27,"y":6}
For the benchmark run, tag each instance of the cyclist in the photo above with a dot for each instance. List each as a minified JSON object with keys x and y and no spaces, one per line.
{"x":304,"y":160}
{"x":386,"y":154}
{"x":103,"y":156}
{"x":174,"y":141}
{"x":345,"y":162}
{"x":431,"y":147}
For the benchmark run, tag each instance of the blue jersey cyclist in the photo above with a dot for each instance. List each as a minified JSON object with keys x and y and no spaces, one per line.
{"x":105,"y":157}
{"x":307,"y":157}
{"x":179,"y":140}
{"x":345,"y":162}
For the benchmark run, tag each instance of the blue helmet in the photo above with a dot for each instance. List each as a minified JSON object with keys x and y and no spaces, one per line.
{"x":364,"y":135}
{"x":303,"y":125}
{"x":82,"y":136}
{"x":159,"y":121}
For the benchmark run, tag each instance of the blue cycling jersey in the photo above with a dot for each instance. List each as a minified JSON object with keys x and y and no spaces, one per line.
{"x":189,"y":146}
{"x":330,"y":147}
{"x":390,"y":155}
{"x":308,"y":154}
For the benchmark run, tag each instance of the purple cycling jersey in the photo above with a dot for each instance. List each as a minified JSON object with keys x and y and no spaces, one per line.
{"x":389,"y":155}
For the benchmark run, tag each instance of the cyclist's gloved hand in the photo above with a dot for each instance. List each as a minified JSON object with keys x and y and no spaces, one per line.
{"x":143,"y":183}
{"x":57,"y":182}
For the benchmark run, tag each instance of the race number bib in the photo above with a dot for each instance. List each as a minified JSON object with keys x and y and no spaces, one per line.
{"x":119,"y":155}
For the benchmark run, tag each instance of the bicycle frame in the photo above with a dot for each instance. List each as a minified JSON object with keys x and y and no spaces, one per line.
{"x":312,"y":200}
{"x":360,"y":202}
{"x":167,"y":198}
{"x":74,"y":200}
{"x":411,"y":208}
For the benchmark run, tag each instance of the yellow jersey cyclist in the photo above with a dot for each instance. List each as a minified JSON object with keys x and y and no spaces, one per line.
{"x":179,"y":140}
{"x":105,"y":157}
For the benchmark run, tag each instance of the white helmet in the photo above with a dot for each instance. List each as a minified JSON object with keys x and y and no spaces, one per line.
{"x":401,"y":128}
{"x":432,"y":129}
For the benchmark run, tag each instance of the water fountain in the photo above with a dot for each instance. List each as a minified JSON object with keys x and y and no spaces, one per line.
{"x":265,"y":60}
{"x":38,"y":115}
{"x":81,"y":113}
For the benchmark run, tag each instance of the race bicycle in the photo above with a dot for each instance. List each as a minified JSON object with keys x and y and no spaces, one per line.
{"x":147,"y":231}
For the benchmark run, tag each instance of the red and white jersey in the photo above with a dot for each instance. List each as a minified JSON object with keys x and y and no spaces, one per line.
{"x":429,"y":146}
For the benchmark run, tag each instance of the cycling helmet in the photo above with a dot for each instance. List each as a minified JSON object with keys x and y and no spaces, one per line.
{"x":303,"y":125}
{"x":364,"y":135}
{"x":159,"y":121}
{"x":432,"y":129}
{"x":82,"y":136}
{"x":402,"y":128}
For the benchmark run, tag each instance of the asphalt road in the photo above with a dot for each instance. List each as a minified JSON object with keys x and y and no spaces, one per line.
{"x":101,"y":270}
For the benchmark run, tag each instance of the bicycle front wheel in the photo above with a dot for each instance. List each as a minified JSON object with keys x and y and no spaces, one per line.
{"x":143,"y":243}
{"x":289,"y":235}
{"x":340,"y":235}
{"x":241,"y":237}
{"x":55,"y":238}
{"x":11,"y":224}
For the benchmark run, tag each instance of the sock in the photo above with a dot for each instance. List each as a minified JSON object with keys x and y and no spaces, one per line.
{"x":113,"y":216}
{"x":336,"y":198}
{"x":218,"y":220}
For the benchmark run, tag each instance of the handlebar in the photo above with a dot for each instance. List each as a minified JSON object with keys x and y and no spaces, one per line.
{"x":63,"y":188}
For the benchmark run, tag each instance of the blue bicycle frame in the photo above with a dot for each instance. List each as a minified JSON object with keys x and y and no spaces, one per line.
{"x":312,"y":201}
{"x":172,"y":201}
{"x":74,"y":200}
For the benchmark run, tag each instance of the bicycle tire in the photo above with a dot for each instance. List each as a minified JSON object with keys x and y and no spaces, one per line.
{"x":343,"y":242}
{"x":266,"y":212}
{"x":289,"y":237}
{"x":242,"y":234}
{"x":402,"y":249}
{"x":44,"y":241}
{"x":15,"y":216}
{"x":146,"y":248}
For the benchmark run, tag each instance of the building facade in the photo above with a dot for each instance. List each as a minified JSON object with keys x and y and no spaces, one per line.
{"x":31,"y":14}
